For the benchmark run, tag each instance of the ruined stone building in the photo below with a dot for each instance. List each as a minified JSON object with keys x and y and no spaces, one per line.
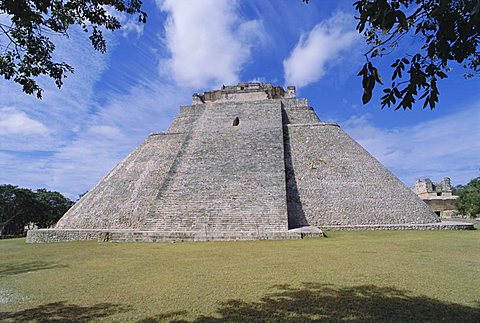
{"x":437,"y":195}
{"x":249,"y":161}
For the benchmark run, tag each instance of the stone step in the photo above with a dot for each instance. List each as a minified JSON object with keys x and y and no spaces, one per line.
{"x":178,"y":236}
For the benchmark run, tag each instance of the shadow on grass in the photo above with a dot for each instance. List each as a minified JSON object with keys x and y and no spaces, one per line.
{"x":63,"y":312}
{"x":163,"y":317}
{"x":318,"y":302}
{"x":14,"y":269}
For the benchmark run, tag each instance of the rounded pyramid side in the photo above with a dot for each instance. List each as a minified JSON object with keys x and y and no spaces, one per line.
{"x":123,"y":198}
{"x":338,"y":183}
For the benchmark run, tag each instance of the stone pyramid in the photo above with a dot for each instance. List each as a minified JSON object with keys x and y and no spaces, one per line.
{"x":249,"y":161}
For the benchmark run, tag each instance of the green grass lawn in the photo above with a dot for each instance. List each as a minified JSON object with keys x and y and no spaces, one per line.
{"x":357,"y":276}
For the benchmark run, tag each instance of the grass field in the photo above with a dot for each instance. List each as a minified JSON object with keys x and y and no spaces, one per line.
{"x":356,"y":276}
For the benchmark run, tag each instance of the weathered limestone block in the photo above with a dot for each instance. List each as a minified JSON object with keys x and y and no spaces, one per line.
{"x":228,"y":178}
{"x":340,"y":183}
{"x":122,"y":199}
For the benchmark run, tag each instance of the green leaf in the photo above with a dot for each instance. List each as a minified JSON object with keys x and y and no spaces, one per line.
{"x":402,"y":19}
{"x":376,"y":75}
{"x":425,"y":103}
{"x":388,"y":21}
{"x":397,"y":93}
{"x":370,"y":83}
{"x":367,"y":96}
{"x":441,"y":74}
{"x":424,"y":95}
{"x":363,"y":71}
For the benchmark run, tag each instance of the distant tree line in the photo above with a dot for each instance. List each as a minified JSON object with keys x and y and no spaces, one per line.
{"x":468,"y":202}
{"x":22,"y":207}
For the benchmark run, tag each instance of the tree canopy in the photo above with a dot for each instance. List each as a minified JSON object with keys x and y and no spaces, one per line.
{"x":26,"y":50}
{"x":446,"y":31}
{"x":468,"y":202}
{"x":21,"y":206}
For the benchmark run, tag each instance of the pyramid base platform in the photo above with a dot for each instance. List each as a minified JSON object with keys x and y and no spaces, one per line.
{"x":444,"y":225}
{"x":59,"y":235}
{"x":112,"y":235}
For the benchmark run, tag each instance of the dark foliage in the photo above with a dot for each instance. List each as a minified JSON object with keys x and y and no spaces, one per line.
{"x":468,"y":203}
{"x":22,"y":206}
{"x":447,"y":31}
{"x":17,"y":206}
{"x":26,"y":50}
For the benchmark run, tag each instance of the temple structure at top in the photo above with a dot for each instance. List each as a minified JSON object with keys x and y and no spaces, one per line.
{"x":243,"y":92}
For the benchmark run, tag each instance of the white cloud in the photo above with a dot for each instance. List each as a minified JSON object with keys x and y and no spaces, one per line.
{"x":60,"y":110}
{"x":76,"y":167}
{"x":24,"y":170}
{"x":32,"y":131}
{"x":20,"y":131}
{"x":208,"y":42}
{"x":14,"y":122}
{"x":321,"y":48}
{"x":132,"y":26}
{"x":103,"y":140}
{"x":88,"y":131}
{"x":105,"y":131}
{"x":445,"y":146}
{"x":130,"y":23}
{"x":108,"y":136}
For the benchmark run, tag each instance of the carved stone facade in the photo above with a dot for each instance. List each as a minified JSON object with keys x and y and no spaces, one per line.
{"x":437,"y":195}
{"x":244,"y":92}
{"x":249,"y":161}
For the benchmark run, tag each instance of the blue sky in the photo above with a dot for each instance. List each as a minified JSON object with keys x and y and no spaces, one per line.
{"x":69,"y":140}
